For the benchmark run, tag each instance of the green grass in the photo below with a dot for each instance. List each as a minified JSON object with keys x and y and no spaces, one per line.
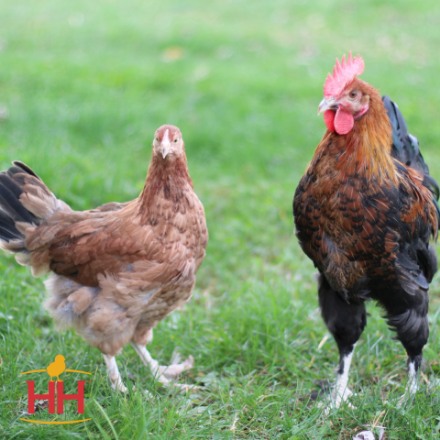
{"x":84,"y":85}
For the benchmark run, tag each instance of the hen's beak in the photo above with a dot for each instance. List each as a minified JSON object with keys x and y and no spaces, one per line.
{"x":327,"y":104}
{"x":165,"y":144}
{"x":166,"y":147}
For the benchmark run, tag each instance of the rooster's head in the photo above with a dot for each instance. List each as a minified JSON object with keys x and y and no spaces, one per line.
{"x":168,"y":143}
{"x":346,"y":98}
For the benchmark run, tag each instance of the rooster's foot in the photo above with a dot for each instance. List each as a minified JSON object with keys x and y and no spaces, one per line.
{"x":412,"y":386}
{"x":336,"y":399}
{"x":410,"y":391}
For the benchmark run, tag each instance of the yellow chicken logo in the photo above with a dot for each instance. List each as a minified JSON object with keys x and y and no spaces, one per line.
{"x":55,"y":395}
{"x":56,"y":368}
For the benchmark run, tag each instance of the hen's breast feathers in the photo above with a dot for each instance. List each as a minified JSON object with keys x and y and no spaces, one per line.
{"x":109,"y":241}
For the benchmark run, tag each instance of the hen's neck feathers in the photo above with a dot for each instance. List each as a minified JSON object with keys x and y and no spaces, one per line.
{"x":167,"y":178}
{"x":366,"y":150}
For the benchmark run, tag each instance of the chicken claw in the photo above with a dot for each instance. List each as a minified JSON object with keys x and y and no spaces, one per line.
{"x":175,"y":369}
{"x":411,"y":387}
{"x":336,"y":400}
{"x":113,"y":374}
{"x":164,"y":374}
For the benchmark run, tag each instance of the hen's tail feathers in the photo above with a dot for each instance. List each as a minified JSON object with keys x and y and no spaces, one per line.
{"x":25,"y":201}
{"x":12,"y":211}
{"x":406,"y":149}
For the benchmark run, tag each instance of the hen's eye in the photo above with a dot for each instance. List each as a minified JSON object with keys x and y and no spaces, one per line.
{"x":353,"y":94}
{"x":157,"y":139}
{"x":175,"y":140}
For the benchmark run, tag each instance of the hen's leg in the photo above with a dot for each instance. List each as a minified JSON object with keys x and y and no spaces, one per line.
{"x":346,"y":322}
{"x":412,"y":330}
{"x":163,"y":374}
{"x":113,"y":373}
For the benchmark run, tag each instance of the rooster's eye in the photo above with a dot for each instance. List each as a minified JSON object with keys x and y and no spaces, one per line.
{"x":353,"y":94}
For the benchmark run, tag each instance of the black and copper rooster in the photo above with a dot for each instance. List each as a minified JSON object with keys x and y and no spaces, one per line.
{"x":364,"y":213}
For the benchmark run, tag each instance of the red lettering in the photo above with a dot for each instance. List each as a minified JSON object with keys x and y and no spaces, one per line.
{"x":50,"y":396}
{"x":78,"y":397}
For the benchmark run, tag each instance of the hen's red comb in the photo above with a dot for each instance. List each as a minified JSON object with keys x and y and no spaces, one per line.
{"x":343,"y":74}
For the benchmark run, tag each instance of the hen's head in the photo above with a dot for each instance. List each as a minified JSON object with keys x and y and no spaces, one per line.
{"x":346,"y":98}
{"x":168,"y":143}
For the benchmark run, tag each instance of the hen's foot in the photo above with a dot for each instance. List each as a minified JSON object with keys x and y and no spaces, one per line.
{"x":175,"y":369}
{"x":185,"y":388}
{"x":113,"y":374}
{"x":119,"y":386}
{"x":166,"y":374}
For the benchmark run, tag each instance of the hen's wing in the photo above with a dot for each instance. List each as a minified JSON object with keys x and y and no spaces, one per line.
{"x":111,"y":206}
{"x":86,"y":245}
{"x":83,"y":245}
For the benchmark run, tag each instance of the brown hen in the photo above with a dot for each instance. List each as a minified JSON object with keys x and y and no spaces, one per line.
{"x":117,"y":270}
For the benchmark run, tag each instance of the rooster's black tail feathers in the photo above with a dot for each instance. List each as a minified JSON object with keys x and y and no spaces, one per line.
{"x":406,"y":149}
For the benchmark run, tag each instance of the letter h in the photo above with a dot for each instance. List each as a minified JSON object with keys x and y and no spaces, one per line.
{"x":32,"y":396}
{"x":79,"y":397}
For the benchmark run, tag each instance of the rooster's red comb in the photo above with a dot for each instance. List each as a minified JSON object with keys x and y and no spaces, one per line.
{"x":343,"y":74}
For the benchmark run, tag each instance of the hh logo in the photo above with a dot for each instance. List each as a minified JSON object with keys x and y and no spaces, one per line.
{"x":55,"y":395}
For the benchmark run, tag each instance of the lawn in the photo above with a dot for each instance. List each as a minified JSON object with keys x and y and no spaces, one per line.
{"x":83,"y":87}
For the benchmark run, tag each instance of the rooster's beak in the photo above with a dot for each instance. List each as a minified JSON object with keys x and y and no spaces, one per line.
{"x":327,"y":104}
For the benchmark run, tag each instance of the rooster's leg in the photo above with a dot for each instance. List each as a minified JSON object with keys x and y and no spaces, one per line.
{"x":413,"y":369}
{"x":163,"y":374}
{"x":113,"y":373}
{"x":412,"y":331}
{"x":342,"y":392}
{"x":346,"y":320}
